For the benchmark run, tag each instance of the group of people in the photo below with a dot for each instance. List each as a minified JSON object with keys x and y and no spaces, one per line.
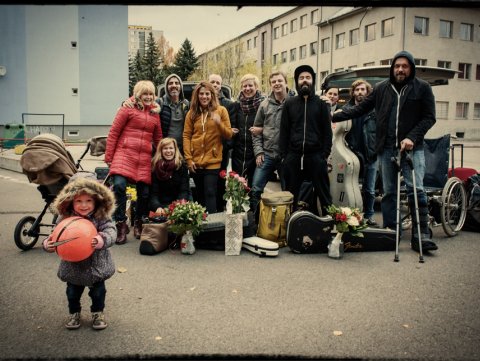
{"x":159,"y":143}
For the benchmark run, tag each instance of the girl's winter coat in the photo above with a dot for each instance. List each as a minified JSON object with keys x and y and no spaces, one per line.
{"x":129,"y":142}
{"x":99,"y":266}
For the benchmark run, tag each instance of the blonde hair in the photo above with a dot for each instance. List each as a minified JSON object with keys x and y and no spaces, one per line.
{"x":143,"y":87}
{"x":253,"y":77}
{"x":158,"y":154}
{"x":360,"y":82}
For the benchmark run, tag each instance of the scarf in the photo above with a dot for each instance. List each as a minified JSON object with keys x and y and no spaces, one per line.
{"x":164,"y":169}
{"x":250,"y":105}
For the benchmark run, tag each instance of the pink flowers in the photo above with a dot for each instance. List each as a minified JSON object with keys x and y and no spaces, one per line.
{"x":236,"y":191}
{"x":183,"y":215}
{"x":347,"y":220}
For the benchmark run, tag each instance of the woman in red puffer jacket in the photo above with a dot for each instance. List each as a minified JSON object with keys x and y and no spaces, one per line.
{"x":129,"y":154}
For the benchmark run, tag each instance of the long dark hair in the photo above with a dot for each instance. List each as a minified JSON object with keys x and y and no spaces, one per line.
{"x":195,"y":106}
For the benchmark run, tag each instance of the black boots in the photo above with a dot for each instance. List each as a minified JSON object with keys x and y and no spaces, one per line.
{"x":122,"y":231}
{"x":425,"y":234}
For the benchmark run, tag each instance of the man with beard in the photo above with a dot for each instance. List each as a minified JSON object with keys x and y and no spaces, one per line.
{"x":361,"y":140}
{"x":306,"y":139}
{"x":405,"y":110}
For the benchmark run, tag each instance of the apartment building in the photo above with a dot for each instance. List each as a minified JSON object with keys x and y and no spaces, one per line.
{"x":137,"y":36}
{"x":332,"y":39}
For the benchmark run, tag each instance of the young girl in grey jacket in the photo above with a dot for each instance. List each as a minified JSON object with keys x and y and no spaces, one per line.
{"x":84,"y":196}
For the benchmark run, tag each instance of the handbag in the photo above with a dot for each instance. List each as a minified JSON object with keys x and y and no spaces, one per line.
{"x":154,"y":238}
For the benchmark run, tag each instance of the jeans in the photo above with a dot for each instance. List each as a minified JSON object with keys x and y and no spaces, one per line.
{"x":368,"y":188}
{"x":389,"y":179}
{"x":206,"y":188}
{"x":97,"y":294}
{"x":120,"y":191}
{"x":261,"y":177}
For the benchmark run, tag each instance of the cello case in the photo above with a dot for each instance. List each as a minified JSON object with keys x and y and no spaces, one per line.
{"x":343,"y":176}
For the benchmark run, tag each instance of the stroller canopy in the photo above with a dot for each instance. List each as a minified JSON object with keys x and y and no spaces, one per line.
{"x":46,"y":160}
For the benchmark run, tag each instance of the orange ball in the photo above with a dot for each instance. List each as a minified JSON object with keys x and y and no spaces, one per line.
{"x":73,"y":239}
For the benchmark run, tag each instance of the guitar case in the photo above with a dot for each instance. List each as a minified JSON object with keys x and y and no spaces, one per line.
{"x":261,"y":246}
{"x":373,"y":240}
{"x":344,"y":186}
{"x":309,"y":233}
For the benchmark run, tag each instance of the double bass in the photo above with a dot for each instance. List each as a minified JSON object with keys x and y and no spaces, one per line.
{"x":345,"y":170}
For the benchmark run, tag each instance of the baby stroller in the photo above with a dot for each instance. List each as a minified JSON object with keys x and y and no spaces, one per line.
{"x":47,"y":162}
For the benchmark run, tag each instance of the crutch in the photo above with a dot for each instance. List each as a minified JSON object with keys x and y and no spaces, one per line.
{"x":417,"y":215}
{"x":396,"y":164}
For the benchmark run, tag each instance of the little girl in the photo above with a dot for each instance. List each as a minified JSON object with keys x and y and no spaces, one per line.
{"x":84,"y":196}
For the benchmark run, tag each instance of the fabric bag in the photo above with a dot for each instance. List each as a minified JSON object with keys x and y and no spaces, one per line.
{"x":275,"y":210}
{"x":154,"y":238}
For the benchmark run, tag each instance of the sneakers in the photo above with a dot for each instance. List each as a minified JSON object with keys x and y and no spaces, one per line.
{"x":371,"y":222}
{"x":98,"y":321}
{"x":73,"y":321}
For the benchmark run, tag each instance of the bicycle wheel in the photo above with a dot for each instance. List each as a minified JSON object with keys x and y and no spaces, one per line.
{"x":454,"y":206}
{"x":21,"y":233}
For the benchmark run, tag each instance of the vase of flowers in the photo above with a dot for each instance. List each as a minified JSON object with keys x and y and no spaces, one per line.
{"x":186,"y":218}
{"x":236,"y":195}
{"x":346,"y":220}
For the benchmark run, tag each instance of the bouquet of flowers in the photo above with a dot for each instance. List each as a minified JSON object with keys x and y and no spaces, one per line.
{"x":347,"y":220}
{"x":236,"y":192}
{"x":183,"y":216}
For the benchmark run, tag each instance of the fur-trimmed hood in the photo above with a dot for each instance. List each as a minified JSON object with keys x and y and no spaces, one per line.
{"x":80,"y":184}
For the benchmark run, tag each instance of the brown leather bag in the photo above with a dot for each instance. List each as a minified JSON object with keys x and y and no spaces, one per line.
{"x":154,"y":238}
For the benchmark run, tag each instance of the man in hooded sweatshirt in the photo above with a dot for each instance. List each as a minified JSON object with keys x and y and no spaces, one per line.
{"x":405,"y":111}
{"x":305,"y":139}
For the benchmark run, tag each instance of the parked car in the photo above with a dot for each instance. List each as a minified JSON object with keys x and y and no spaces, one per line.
{"x":188,"y":87}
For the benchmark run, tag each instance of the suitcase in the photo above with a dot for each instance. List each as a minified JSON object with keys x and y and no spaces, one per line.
{"x":309,"y":233}
{"x":261,"y":246}
{"x":212,"y":235}
{"x":373,"y":240}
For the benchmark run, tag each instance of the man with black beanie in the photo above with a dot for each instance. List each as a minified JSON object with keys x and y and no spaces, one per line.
{"x":306,"y":139}
{"x":405,"y":110}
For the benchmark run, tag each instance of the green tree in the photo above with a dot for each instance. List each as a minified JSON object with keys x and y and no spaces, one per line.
{"x":135,"y":68}
{"x":186,"y":62}
{"x":151,"y":62}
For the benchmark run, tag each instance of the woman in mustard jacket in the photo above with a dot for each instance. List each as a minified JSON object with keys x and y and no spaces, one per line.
{"x":206,"y":125}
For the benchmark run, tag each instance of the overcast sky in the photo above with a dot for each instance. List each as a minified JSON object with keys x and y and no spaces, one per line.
{"x":205,"y":26}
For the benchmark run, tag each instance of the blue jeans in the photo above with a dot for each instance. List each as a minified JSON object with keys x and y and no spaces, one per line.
{"x":97,"y":294}
{"x":368,"y":188}
{"x":389,"y":179}
{"x":260,"y":178}
{"x":120,"y":191}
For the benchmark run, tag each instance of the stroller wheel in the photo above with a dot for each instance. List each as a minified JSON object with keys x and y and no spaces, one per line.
{"x":23,"y":240}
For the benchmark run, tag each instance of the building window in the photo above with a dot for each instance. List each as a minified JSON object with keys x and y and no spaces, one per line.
{"x":370,"y":32}
{"x":314,"y":16}
{"x":338,"y":69}
{"x":465,"y":70}
{"x":275,"y":59}
{"x":323,"y":75}
{"x":303,"y":52}
{"x":421,"y":26}
{"x":476,"y":111}
{"x":284,"y":29}
{"x":354,"y":36}
{"x":350,"y":67}
{"x":284,"y":57}
{"x":249,"y":44}
{"x":477,"y":75}
{"x":293,"y":54}
{"x":461,"y":111}
{"x":340,"y":41}
{"x":303,"y":21}
{"x":276,"y":32}
{"x":421,"y":62}
{"x":386,"y":62}
{"x":293,"y":25}
{"x":325,"y":45}
{"x":255,"y":41}
{"x":313,"y":48}
{"x":387,"y":27}
{"x":446,"y":28}
{"x":466,"y":32}
{"x":372,"y":63}
{"x":444,"y":64}
{"x":442,"y":110}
